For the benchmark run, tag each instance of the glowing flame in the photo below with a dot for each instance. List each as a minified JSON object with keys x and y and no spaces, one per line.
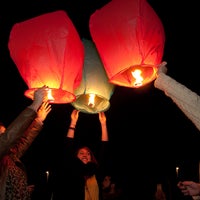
{"x":49,"y":95}
{"x":177,"y":171}
{"x":138,"y":78}
{"x":91,"y":100}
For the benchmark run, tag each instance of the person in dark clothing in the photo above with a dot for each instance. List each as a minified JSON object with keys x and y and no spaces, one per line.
{"x":13,"y":176}
{"x":80,"y":177}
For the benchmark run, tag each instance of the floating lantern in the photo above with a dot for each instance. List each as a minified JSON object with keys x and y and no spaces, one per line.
{"x":129,"y":37}
{"x":95,"y":91}
{"x":47,"y":50}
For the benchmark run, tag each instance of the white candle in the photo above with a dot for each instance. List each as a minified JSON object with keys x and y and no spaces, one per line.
{"x":47,"y":173}
{"x":177,"y":170}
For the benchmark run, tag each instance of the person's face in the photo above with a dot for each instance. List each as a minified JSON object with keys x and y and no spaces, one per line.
{"x":84,"y":155}
{"x":106,"y":182}
{"x":2,"y":129}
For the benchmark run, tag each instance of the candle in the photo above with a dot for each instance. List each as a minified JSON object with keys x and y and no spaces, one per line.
{"x":47,"y":173}
{"x":177,"y":171}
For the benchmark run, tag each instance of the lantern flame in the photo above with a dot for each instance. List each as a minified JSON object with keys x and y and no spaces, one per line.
{"x":91,"y":100}
{"x":138,"y":78}
{"x":49,"y":95}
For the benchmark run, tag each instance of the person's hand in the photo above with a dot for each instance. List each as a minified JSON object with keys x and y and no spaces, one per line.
{"x":162,"y":68}
{"x":190,"y":188}
{"x":43,"y":111}
{"x":102,"y":117}
{"x":40,"y":95}
{"x":74,"y":117}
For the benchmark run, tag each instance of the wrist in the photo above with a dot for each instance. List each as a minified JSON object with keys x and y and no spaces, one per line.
{"x":72,"y":125}
{"x":39,"y":120}
{"x":34,"y":106}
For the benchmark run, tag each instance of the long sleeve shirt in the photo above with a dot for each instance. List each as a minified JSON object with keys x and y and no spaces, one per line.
{"x":15,"y":130}
{"x":187,"y":100}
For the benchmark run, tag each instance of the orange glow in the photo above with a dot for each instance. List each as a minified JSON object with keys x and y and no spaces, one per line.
{"x":49,"y":95}
{"x":91,"y":100}
{"x":47,"y":50}
{"x":128,"y":35}
{"x":55,"y":95}
{"x":138,"y":78}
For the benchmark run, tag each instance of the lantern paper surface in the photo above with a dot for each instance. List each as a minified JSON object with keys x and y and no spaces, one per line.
{"x":47,"y":50}
{"x":129,"y":36}
{"x":94,"y":81}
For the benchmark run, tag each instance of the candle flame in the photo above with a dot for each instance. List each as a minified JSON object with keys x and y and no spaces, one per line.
{"x":177,"y":171}
{"x":49,"y":95}
{"x":91,"y":100}
{"x":138,"y":78}
{"x":47,"y":173}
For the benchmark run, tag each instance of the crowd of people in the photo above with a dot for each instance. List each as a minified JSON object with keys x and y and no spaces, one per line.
{"x":80,"y":174}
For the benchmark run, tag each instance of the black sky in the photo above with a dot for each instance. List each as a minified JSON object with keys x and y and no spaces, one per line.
{"x":145,"y":126}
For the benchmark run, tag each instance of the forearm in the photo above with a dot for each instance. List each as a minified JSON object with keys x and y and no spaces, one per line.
{"x":71,"y":129}
{"x":28,"y":137}
{"x":184,"y":98}
{"x":16,"y":129}
{"x":104,"y":133}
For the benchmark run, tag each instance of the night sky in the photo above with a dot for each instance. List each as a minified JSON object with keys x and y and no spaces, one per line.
{"x":147,"y":130}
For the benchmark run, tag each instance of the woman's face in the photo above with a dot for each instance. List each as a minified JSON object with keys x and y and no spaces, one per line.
{"x":84,"y":155}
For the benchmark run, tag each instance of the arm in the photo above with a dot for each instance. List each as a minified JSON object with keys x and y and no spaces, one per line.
{"x":16,"y":129}
{"x":32,"y":132}
{"x":74,"y":119}
{"x":187,"y":100}
{"x":189,"y":188}
{"x":104,"y":154}
{"x":104,"y":131}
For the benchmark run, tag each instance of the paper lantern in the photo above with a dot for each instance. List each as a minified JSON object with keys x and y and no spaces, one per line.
{"x":129,"y":37}
{"x":47,"y":50}
{"x":95,"y":91}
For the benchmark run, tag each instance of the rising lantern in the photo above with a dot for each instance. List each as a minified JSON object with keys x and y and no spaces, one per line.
{"x":95,"y":91}
{"x":129,"y":37}
{"x":47,"y":50}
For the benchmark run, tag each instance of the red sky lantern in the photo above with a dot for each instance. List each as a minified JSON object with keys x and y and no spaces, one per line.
{"x":130,"y":39}
{"x":47,"y":50}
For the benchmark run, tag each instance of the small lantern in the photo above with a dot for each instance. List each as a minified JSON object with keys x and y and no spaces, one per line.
{"x":94,"y":92}
{"x":47,"y":50}
{"x":130,"y":38}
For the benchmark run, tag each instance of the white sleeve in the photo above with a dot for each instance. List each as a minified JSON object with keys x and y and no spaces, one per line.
{"x":187,"y":100}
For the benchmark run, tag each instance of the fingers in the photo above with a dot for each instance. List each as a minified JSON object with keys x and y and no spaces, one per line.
{"x":76,"y":112}
{"x":44,"y":105}
{"x":164,"y":63}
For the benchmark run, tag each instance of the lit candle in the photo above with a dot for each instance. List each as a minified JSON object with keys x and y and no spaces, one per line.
{"x":177,"y":171}
{"x":47,"y":173}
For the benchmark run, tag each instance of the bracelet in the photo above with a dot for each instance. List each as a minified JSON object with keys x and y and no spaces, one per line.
{"x":73,"y":128}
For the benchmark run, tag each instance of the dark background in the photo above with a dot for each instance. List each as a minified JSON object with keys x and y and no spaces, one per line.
{"x":148,"y":133}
